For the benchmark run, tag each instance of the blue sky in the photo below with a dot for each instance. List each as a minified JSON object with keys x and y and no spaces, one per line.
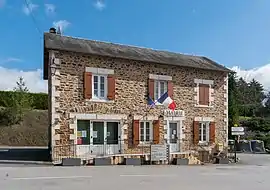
{"x":231,"y":32}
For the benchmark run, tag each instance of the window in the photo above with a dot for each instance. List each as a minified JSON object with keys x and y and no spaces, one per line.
{"x":204,"y":132}
{"x":83,"y":132}
{"x":145,"y":132}
{"x":160,"y":88}
{"x":100,"y":86}
{"x":204,"y":94}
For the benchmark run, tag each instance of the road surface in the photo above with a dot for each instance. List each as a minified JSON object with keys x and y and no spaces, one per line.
{"x":244,"y":176}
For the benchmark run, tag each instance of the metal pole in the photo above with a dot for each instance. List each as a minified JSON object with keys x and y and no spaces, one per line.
{"x":235,"y":158}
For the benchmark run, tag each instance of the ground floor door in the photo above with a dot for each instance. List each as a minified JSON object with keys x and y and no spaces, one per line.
{"x":105,"y":138}
{"x":174,"y":136}
{"x":97,"y":138}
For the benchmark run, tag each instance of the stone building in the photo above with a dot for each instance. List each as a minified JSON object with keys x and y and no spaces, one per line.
{"x":98,"y":98}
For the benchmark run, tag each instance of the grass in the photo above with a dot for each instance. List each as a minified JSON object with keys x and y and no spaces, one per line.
{"x":33,"y":131}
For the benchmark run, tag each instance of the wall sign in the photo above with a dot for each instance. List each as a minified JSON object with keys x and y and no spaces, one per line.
{"x":159,"y":152}
{"x":175,"y":113}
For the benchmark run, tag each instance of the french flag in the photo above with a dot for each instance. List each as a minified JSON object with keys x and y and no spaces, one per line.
{"x":150,"y":102}
{"x":166,"y":100}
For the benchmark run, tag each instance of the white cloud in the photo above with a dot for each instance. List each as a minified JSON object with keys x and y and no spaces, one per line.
{"x":30,"y":8}
{"x":260,"y":74}
{"x":50,"y":9}
{"x":100,"y":5}
{"x":9,"y":60}
{"x":62,"y":24}
{"x":2,"y":3}
{"x":33,"y":79}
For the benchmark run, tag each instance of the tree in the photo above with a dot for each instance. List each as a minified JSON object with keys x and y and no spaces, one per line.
{"x":233,"y":101}
{"x":23,"y":100}
{"x":20,"y":102}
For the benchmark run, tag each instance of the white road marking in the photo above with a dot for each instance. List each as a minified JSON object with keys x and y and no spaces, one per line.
{"x":49,"y":177}
{"x":144,"y":175}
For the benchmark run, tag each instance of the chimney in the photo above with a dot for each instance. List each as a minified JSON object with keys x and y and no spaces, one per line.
{"x":52,"y":30}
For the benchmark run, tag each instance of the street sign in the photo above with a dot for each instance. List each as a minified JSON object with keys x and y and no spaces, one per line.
{"x":238,"y":129}
{"x":238,"y":132}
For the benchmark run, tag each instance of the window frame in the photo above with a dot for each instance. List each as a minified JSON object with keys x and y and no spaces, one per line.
{"x":144,"y":130}
{"x":157,"y":83}
{"x":207,"y":126}
{"x":94,"y":97}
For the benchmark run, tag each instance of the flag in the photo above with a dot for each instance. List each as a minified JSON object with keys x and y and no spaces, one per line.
{"x":150,"y":102}
{"x":166,"y":100}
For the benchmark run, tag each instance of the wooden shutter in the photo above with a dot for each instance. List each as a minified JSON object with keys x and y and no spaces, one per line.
{"x":212,"y":132}
{"x":206,"y":94}
{"x":87,"y":85}
{"x":111,"y":87}
{"x":170,"y":89}
{"x":196,"y":131}
{"x":201,"y":94}
{"x":136,"y":132}
{"x":156,"y":133}
{"x":151,"y":88}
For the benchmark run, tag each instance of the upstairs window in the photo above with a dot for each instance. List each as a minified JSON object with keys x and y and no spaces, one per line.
{"x":100,"y":86}
{"x":160,"y":88}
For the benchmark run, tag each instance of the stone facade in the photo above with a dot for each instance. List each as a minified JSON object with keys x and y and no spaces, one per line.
{"x":66,"y":90}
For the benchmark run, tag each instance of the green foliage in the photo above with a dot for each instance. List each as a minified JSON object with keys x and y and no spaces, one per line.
{"x":16,"y":103}
{"x":233,"y":101}
{"x":39,"y":100}
{"x":257,"y":124}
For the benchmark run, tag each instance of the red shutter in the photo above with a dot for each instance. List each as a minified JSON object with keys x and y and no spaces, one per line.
{"x":87,"y":85}
{"x":151,"y":84}
{"x":201,"y":94}
{"x":170,"y":89}
{"x":136,"y":132}
{"x":196,"y":131}
{"x":212,"y":132}
{"x":111,"y":87}
{"x":156,"y":131}
{"x":206,"y":95}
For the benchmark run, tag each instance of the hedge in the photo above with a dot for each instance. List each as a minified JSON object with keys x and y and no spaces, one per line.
{"x":40,"y":100}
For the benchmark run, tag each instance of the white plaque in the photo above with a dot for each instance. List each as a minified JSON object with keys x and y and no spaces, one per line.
{"x":94,"y":134}
{"x":159,"y":152}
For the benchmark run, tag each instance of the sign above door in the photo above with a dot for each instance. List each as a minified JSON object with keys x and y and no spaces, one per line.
{"x":175,"y":113}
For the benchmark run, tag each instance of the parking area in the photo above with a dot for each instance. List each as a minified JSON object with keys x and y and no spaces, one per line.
{"x":241,"y":176}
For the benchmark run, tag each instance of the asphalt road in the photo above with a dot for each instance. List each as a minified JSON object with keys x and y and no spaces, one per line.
{"x":246,"y":175}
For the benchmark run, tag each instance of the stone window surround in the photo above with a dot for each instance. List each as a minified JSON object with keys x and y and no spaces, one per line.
{"x":99,"y":71}
{"x":211,"y":91}
{"x":207,"y":120}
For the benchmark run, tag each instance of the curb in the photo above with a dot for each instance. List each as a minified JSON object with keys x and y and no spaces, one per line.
{"x":25,"y":162}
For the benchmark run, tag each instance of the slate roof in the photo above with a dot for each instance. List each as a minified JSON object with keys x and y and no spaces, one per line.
{"x":65,"y":43}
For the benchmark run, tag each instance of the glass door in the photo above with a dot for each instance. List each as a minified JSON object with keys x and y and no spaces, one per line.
{"x":97,"y":129}
{"x":113,"y":144}
{"x":174,"y":136}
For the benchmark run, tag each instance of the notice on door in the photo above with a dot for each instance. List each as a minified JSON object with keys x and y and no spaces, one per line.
{"x":94,"y":134}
